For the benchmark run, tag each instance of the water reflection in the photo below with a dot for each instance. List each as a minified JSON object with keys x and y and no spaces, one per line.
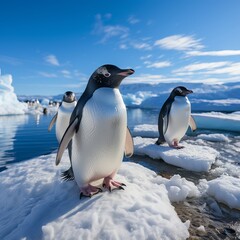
{"x":8,"y":128}
{"x":142,"y":116}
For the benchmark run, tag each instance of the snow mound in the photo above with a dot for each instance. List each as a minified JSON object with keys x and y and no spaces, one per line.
{"x":9,"y":103}
{"x":217,"y":137}
{"x":191,"y":157}
{"x":225,"y":189}
{"x":35,"y":204}
{"x":179,"y":188}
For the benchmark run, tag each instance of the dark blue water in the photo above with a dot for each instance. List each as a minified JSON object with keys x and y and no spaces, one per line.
{"x":23,"y":137}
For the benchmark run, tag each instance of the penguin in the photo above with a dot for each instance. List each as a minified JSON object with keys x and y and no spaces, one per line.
{"x":175,"y":117}
{"x":98,"y":132}
{"x":62,"y":119}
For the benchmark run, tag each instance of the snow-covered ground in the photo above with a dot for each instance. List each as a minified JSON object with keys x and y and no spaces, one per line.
{"x":36,"y":204}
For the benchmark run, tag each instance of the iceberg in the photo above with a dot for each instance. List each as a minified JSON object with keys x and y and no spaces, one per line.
{"x":9,"y":103}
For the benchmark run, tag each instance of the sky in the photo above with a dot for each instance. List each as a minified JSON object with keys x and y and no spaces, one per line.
{"x":50,"y":47}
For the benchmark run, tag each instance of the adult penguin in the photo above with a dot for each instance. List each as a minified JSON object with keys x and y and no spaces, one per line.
{"x":62,"y":119}
{"x":98,"y":131}
{"x":175,"y":117}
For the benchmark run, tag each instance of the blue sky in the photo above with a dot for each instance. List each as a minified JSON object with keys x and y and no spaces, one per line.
{"x":52,"y":46}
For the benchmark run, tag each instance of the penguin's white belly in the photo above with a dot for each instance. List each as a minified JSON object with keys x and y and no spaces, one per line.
{"x":98,"y":146}
{"x":178,"y":120}
{"x":63,"y":118}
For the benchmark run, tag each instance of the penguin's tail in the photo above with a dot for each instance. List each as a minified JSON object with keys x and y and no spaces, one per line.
{"x":67,"y":175}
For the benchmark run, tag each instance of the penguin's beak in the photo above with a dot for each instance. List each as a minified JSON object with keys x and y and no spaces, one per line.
{"x":189,"y":91}
{"x":126,"y":72}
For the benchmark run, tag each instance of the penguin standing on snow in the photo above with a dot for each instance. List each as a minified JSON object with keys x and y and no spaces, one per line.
{"x":62,"y":119}
{"x":98,"y":131}
{"x":175,"y":117}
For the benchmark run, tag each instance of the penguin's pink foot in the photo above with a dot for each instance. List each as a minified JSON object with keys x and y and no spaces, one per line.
{"x":89,"y":191}
{"x":110,"y":184}
{"x":175,"y":145}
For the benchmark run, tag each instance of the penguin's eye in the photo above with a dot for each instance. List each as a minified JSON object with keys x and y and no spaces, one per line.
{"x":107,"y":74}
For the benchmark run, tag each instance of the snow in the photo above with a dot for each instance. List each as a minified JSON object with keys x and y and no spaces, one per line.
{"x":217,"y":120}
{"x":225,"y":189}
{"x":215,"y":137}
{"x":191,"y":157}
{"x":36,"y":204}
{"x":9,"y":103}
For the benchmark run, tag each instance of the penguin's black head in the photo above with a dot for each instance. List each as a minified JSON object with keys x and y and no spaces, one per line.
{"x":109,"y":76}
{"x":69,"y":97}
{"x":180,"y":91}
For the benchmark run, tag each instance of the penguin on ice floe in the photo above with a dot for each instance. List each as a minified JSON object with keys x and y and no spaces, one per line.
{"x":175,"y":117}
{"x":98,"y":131}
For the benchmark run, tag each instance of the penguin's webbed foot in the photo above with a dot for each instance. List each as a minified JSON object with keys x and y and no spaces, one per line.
{"x":111,"y":184}
{"x":89,"y":191}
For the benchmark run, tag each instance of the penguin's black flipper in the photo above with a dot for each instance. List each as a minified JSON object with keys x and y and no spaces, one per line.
{"x":163,"y":120}
{"x":67,"y":175}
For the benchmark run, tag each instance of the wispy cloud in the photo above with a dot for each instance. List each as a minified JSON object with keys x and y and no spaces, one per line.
{"x":201,"y":66}
{"x":133,"y":20}
{"x":48,"y":75}
{"x":144,"y":46}
{"x":66,"y":74}
{"x":160,"y":64}
{"x":227,"y":68}
{"x":108,"y":31}
{"x":146,"y":57}
{"x":220,"y":53}
{"x":179,"y":42}
{"x":52,"y":59}
{"x":10,"y":60}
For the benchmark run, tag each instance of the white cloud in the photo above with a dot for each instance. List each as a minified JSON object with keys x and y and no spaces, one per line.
{"x":48,"y":75}
{"x":201,"y":66}
{"x":108,"y":31}
{"x":221,"y":53}
{"x":146,"y":57}
{"x":212,"y":68}
{"x":132,"y":20}
{"x":144,"y":46}
{"x":179,"y":42}
{"x":52,"y":59}
{"x":123,"y":46}
{"x":66,"y":73}
{"x":161,"y":64}
{"x":10,"y":60}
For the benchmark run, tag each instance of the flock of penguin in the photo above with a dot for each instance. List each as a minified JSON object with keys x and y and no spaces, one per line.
{"x":94,"y":129}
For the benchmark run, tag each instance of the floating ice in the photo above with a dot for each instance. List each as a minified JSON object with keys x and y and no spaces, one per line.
{"x":191,"y":157}
{"x":145,"y":130}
